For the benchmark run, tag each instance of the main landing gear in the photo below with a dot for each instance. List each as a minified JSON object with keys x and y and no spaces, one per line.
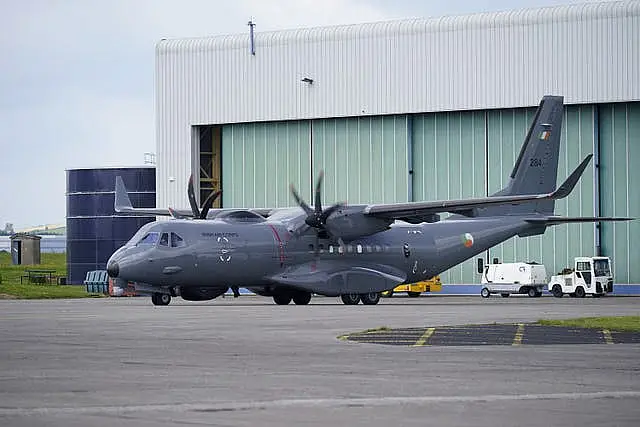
{"x":298,"y":297}
{"x":371,"y":298}
{"x":160,"y":299}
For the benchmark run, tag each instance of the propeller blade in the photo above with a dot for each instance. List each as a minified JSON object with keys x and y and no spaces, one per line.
{"x":192,"y":198}
{"x":211,"y":198}
{"x":318,"y":202}
{"x":299,"y":201}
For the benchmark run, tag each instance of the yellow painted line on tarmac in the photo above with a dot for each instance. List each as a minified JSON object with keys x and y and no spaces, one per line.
{"x":423,"y":339}
{"x":517,"y":339}
{"x":607,"y":336}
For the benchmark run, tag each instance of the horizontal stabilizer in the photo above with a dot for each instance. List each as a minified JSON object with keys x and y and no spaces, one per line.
{"x":554,"y":220}
{"x":122,"y":203}
{"x":569,"y":184}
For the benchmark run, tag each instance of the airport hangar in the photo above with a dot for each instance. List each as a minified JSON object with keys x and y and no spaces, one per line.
{"x":410,"y":110}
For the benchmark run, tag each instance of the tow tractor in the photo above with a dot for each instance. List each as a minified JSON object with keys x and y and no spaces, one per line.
{"x":415,"y":289}
{"x":590,"y":276}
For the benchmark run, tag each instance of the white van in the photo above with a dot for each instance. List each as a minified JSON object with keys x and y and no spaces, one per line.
{"x":514,"y":278}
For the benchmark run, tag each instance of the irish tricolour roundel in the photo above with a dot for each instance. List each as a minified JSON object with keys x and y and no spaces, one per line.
{"x":467,"y":240}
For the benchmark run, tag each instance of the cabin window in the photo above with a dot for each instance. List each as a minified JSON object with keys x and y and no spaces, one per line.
{"x":330,"y":249}
{"x":359,"y":249}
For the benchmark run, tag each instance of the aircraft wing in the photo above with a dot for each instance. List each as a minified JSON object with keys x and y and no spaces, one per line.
{"x":422,"y":211}
{"x":338,"y":277}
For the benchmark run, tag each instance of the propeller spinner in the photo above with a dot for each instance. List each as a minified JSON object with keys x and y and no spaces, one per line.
{"x":316,"y":217}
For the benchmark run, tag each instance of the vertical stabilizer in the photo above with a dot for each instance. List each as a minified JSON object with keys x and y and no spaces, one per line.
{"x":536,"y":168}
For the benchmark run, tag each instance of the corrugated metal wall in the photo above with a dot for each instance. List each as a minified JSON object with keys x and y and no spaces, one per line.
{"x":620,"y":180}
{"x":261,"y":160}
{"x":588,"y":53}
{"x":365,"y":160}
{"x":449,"y":163}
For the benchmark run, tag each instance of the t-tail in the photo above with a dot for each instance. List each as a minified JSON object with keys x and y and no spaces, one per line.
{"x":536,"y":168}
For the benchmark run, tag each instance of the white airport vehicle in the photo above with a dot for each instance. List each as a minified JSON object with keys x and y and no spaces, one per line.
{"x":513,"y":278}
{"x":590,"y":276}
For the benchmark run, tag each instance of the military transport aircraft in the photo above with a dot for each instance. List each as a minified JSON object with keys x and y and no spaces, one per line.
{"x":352,"y":251}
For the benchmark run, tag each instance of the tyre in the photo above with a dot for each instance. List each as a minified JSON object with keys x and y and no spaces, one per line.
{"x":350,"y":299}
{"x":485,"y":293}
{"x":580,"y":292}
{"x":302,"y":298}
{"x":504,"y":295}
{"x":160,"y":299}
{"x":556,"y":290}
{"x":371,"y":298}
{"x":282,"y":299}
{"x":413,"y":294}
{"x":532,"y":293}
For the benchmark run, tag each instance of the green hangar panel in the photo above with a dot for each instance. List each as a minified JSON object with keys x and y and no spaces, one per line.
{"x":261,"y":160}
{"x":365,"y":159}
{"x":619,"y":132}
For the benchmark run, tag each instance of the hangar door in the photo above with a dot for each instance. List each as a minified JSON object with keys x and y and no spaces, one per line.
{"x":261,"y":160}
{"x":364,"y":159}
{"x":620,"y":170}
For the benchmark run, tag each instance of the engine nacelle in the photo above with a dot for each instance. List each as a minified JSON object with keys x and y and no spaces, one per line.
{"x":350,"y":223}
{"x":201,"y":293}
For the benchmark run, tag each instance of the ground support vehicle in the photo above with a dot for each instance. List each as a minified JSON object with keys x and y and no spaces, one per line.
{"x":590,"y":276}
{"x":414,"y":290}
{"x":513,"y":278}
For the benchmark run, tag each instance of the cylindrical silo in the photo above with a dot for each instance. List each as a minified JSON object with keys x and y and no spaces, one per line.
{"x":94,"y":230}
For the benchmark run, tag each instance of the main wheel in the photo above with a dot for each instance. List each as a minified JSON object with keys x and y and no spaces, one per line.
{"x":532,"y":293}
{"x":580,"y":292}
{"x":371,"y":298}
{"x":350,"y":299}
{"x":557,"y":291}
{"x":484,"y":293}
{"x":413,"y":294}
{"x":282,"y":299}
{"x":160,"y":299}
{"x":302,"y":298}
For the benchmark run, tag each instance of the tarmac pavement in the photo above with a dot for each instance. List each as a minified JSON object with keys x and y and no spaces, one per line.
{"x":246,"y":361}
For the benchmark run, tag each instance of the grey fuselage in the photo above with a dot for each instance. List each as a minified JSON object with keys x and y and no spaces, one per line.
{"x":222,"y":253}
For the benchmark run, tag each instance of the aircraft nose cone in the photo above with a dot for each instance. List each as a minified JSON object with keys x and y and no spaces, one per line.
{"x":113,"y":269}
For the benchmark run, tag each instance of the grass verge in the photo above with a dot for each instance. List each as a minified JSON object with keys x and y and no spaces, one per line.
{"x":11,"y":288}
{"x":619,"y":323}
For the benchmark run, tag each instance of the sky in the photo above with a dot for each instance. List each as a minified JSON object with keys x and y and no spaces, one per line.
{"x":77,"y":77}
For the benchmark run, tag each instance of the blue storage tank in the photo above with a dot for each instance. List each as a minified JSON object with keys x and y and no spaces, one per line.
{"x":94,"y":231}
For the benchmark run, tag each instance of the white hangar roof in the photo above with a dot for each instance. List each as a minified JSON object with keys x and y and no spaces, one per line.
{"x":590,"y":53}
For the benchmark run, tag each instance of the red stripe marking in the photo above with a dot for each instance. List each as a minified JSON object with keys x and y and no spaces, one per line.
{"x":280,"y":245}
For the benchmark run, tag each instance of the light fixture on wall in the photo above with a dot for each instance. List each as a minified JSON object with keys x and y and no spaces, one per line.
{"x":307,"y":80}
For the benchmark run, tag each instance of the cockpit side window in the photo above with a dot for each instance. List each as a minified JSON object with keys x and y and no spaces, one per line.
{"x":176,"y":241}
{"x":164,"y":239}
{"x":149,"y":239}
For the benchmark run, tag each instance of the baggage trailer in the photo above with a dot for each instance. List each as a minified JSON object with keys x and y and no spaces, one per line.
{"x":528,"y":278}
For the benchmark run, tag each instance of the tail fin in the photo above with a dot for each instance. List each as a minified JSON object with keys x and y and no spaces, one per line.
{"x":536,"y":168}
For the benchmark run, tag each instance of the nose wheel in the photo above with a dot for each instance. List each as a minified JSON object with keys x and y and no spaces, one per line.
{"x":160,"y":299}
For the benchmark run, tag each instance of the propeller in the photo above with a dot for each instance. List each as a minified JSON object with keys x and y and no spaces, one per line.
{"x":206,"y":206}
{"x":316,"y":217}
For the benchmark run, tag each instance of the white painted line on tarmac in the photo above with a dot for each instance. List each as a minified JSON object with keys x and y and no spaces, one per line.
{"x":314,"y":403}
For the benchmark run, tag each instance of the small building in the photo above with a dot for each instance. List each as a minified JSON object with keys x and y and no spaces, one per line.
{"x":25,"y":249}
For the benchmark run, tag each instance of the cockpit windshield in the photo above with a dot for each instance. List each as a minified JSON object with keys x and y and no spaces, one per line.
{"x":601,"y":267}
{"x":149,"y":239}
